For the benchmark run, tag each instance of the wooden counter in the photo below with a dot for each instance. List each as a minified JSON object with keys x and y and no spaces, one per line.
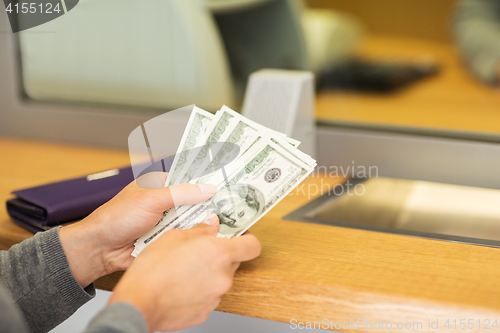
{"x":306,"y":272}
{"x":452,"y":100}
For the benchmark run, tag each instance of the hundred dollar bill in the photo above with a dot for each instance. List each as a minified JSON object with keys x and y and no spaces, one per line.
{"x":169,"y":217}
{"x":213,"y":133}
{"x":243,"y":136}
{"x":292,"y":142}
{"x":253,"y":190}
{"x":198,"y":122}
{"x":246,"y":196}
{"x":249,"y":136}
{"x":268,"y":130}
{"x":221,"y":127}
{"x":231,"y":127}
{"x":238,"y":133}
{"x":285,"y":145}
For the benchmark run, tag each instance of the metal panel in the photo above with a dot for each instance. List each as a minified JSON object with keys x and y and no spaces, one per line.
{"x":446,"y":160}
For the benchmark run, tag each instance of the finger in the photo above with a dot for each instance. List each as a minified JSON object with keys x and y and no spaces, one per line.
{"x":244,"y":248}
{"x":203,"y":229}
{"x":177,"y":195}
{"x":211,"y":219}
{"x":214,"y":304}
{"x":234,"y":267}
{"x":190,"y":194}
{"x":152,"y":180}
{"x":208,"y":227}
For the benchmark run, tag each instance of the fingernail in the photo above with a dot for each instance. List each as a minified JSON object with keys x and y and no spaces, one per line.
{"x":211,"y":219}
{"x":207,"y":188}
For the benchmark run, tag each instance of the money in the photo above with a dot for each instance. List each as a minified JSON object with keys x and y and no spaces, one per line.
{"x":197,"y":124}
{"x":252,"y":166}
{"x":220,"y":128}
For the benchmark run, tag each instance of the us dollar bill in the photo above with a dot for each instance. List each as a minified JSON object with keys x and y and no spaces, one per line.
{"x":268,"y":175}
{"x":290,"y":148}
{"x":254,"y":190}
{"x":230,"y":131}
{"x":198,"y":122}
{"x":172,"y":216}
{"x":239,"y":141}
{"x":217,"y":140}
{"x":243,"y":136}
{"x":222,"y":126}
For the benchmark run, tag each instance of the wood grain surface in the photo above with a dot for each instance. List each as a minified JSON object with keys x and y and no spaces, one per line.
{"x":306,"y":272}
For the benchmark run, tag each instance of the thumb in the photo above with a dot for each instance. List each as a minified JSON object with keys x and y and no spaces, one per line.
{"x":159,"y":200}
{"x":208,"y":227}
{"x":190,"y":194}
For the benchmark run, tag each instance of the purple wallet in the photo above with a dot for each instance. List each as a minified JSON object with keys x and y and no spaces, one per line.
{"x":43,"y":207}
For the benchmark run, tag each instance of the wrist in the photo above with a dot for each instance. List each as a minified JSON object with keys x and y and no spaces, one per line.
{"x":83,"y":252}
{"x":146,"y":307}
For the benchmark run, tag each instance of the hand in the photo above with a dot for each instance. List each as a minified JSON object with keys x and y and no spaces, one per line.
{"x":179,"y":279}
{"x":103,"y":242}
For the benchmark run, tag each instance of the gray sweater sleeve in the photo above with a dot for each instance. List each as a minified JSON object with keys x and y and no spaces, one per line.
{"x":118,"y":318}
{"x":477,"y":32}
{"x":38,"y":291}
{"x":37,"y":276}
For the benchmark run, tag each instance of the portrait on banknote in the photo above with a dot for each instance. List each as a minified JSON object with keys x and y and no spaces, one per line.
{"x":237,"y":206}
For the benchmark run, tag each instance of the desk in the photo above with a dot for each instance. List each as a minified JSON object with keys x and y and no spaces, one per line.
{"x":452,"y":100}
{"x":306,"y":272}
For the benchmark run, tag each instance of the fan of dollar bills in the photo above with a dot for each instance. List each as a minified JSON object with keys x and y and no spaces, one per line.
{"x":253,"y":167}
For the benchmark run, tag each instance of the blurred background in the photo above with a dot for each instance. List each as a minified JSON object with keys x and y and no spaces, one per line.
{"x":413,"y":66}
{"x":454,"y":46}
